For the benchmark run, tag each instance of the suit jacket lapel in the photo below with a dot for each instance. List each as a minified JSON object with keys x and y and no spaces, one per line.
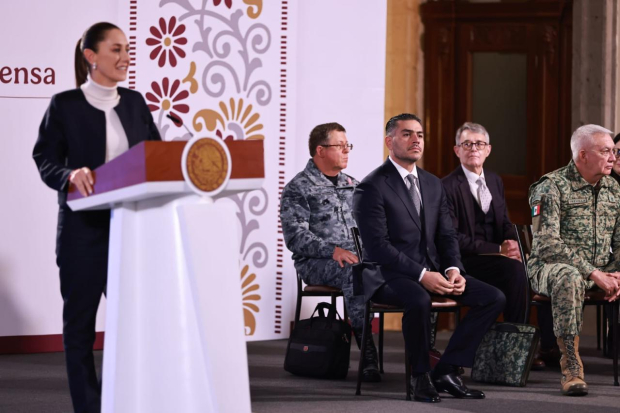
{"x":396,"y":183}
{"x":426,"y":189}
{"x":468,"y":202}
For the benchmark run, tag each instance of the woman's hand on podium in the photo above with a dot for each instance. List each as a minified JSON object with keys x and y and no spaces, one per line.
{"x":83,"y":180}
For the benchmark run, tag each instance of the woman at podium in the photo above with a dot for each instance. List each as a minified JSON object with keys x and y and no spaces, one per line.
{"x":82,"y":129}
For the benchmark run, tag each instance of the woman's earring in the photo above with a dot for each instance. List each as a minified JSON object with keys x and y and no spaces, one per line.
{"x":94,"y":66}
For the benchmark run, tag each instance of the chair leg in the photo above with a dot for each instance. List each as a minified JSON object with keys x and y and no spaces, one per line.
{"x":365,"y":331}
{"x":298,"y":308}
{"x":614,"y":332}
{"x":598,"y":327}
{"x":605,"y":331}
{"x":381,"y":323}
{"x":407,"y":375}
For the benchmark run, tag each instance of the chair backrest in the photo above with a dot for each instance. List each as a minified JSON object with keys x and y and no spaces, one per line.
{"x":355,"y":233}
{"x":300,"y":287}
{"x":524,"y":238}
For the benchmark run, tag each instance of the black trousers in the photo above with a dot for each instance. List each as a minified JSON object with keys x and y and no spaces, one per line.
{"x":485,"y":302}
{"x":506,"y":274}
{"x":82,"y":257}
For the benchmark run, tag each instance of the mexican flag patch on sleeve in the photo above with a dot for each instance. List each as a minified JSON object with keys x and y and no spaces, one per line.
{"x":536,"y":209}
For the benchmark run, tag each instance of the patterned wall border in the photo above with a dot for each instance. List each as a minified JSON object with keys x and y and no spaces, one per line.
{"x":281,"y":164}
{"x":133,"y":21}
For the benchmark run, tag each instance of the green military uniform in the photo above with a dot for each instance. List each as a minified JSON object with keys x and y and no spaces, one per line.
{"x":575,"y":226}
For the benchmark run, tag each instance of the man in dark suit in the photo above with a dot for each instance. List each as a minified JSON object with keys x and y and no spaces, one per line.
{"x":405,"y":225}
{"x":487,"y":239}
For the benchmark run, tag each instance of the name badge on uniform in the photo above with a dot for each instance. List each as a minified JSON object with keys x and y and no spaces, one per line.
{"x":577,"y":201}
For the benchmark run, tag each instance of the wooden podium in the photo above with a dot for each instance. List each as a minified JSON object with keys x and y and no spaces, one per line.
{"x":174,"y":338}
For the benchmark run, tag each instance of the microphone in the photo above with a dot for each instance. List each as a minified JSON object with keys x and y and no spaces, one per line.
{"x":179,"y":122}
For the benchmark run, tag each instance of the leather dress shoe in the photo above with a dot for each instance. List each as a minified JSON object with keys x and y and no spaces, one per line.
{"x":423,"y":389}
{"x":434,"y":356}
{"x":538,"y":364}
{"x":453,"y":384}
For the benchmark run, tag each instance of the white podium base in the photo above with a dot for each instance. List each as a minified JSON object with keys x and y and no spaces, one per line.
{"x":174,"y":338}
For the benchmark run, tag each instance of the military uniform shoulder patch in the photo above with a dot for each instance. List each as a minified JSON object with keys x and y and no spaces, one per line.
{"x":537,"y":210}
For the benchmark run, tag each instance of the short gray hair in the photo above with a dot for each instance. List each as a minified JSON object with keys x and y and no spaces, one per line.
{"x":473,"y":127}
{"x":582,"y":137}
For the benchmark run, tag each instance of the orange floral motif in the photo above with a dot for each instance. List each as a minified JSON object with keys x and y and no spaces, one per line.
{"x":235,"y":117}
{"x":166,"y":41}
{"x":248,"y":288}
{"x":255,"y":7}
{"x":191,"y":78}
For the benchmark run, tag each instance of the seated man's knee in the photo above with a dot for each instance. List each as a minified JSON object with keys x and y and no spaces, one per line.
{"x":498,"y":299}
{"x":517,"y":270}
{"x":568,"y":277}
{"x":419,"y":305}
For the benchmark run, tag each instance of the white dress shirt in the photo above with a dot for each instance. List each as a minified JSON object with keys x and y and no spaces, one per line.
{"x":403,"y":174}
{"x":472,"y":179}
{"x":105,"y":99}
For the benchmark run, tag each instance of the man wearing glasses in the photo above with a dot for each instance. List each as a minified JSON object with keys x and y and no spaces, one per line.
{"x":316,"y":216}
{"x":576,"y":220}
{"x":487,"y":239}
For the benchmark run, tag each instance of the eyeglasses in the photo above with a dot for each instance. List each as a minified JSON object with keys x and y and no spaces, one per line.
{"x":607,"y":151}
{"x":340,"y":146}
{"x":480,"y":145}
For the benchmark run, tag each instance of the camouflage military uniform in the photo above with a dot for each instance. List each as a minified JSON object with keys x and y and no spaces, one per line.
{"x":316,"y":217}
{"x":574,"y":224}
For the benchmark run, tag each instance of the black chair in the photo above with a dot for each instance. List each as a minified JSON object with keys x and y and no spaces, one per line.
{"x":592,"y":297}
{"x":317,"y":291}
{"x":439,"y":305}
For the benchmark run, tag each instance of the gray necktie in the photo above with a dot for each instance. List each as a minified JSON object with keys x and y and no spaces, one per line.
{"x":413,"y":184}
{"x":484,"y":195}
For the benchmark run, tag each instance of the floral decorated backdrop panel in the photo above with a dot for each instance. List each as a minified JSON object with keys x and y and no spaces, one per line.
{"x":218,"y":68}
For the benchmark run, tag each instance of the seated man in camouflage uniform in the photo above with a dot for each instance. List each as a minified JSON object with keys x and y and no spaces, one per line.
{"x":316,"y":217}
{"x":576,"y":220}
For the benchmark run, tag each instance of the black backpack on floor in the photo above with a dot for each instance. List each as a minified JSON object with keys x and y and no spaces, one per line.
{"x":320,"y":345}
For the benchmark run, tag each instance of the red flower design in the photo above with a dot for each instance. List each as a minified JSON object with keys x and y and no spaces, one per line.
{"x":165,"y":98}
{"x":166,"y":40}
{"x":227,"y":2}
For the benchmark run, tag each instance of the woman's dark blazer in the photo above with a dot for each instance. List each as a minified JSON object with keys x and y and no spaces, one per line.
{"x":73,"y":135}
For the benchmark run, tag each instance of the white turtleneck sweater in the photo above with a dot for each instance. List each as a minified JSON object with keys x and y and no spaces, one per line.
{"x":105,"y":99}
